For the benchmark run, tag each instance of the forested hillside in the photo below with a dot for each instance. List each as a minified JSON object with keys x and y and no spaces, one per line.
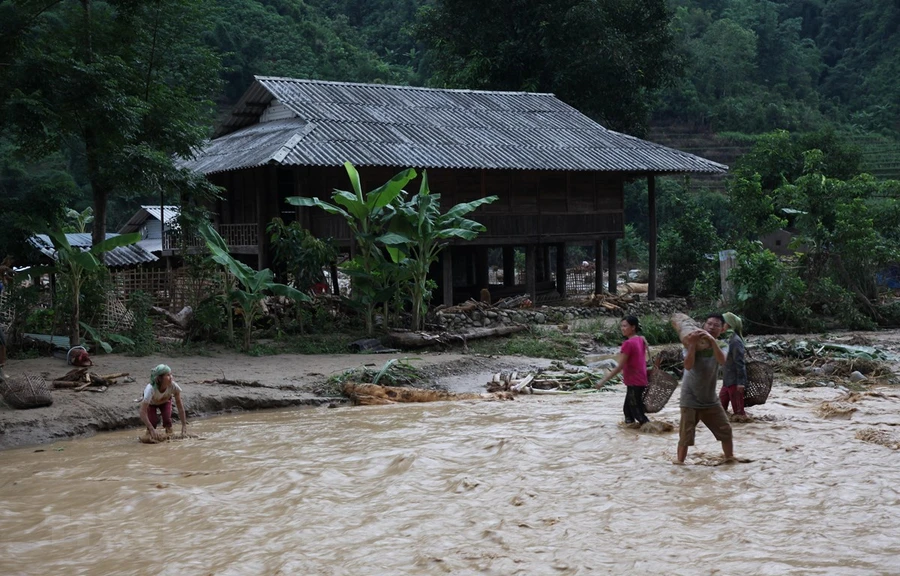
{"x":744,"y":66}
{"x":697,"y":74}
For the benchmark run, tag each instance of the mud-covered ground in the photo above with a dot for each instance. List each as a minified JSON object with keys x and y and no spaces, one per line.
{"x":285,"y":380}
{"x":299,"y":380}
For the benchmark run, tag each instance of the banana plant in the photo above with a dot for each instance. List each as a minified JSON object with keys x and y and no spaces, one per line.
{"x":252,"y":284}
{"x":74,"y":264}
{"x":422,"y":232}
{"x":367,"y":215}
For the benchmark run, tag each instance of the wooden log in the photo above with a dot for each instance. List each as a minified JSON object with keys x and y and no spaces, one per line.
{"x":635,"y":288}
{"x":685,"y":325}
{"x":96,"y":380}
{"x":241,"y":383}
{"x":58,"y":384}
{"x":76,"y":375}
{"x":114,"y":376}
{"x":374,"y":394}
{"x":423,"y":339}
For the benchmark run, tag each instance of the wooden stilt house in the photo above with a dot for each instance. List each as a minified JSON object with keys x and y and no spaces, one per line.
{"x":559,"y":175}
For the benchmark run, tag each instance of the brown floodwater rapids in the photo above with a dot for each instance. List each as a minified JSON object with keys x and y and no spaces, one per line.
{"x":539,"y":485}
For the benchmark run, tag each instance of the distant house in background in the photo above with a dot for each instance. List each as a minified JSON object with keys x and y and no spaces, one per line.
{"x":780,"y":240}
{"x":559,"y":175}
{"x":150,"y":222}
{"x":119,"y":257}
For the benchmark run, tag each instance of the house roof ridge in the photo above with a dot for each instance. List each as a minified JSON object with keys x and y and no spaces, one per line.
{"x":402,"y":87}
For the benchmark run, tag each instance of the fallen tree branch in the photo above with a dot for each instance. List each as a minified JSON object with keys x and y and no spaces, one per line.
{"x":423,"y":339}
{"x":241,"y":383}
{"x":181,"y":319}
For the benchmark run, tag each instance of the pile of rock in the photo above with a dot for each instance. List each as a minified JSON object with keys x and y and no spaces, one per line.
{"x":474,"y":314}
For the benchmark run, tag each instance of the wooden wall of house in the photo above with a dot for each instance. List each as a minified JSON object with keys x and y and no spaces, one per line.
{"x":533,"y":206}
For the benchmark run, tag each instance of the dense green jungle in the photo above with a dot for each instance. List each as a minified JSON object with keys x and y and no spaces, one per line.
{"x":799,"y":97}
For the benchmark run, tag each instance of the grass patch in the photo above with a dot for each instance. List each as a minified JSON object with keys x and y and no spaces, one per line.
{"x":535,"y":343}
{"x":656,"y":329}
{"x":595,"y":325}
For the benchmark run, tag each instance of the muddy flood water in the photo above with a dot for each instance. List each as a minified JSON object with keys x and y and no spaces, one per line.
{"x":539,"y":485}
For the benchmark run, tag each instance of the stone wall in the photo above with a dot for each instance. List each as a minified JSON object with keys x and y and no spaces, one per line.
{"x":492,"y":316}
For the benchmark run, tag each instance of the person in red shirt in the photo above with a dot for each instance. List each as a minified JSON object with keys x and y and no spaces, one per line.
{"x":632,"y":363}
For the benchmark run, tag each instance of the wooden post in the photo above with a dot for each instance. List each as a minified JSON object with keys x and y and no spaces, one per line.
{"x":481,"y":267}
{"x":651,"y":209}
{"x":335,"y":286}
{"x":530,"y":272}
{"x":611,"y":252}
{"x":509,"y":265}
{"x":561,"y":269}
{"x":447,"y":275}
{"x":598,"y":266}
{"x":727,"y":261}
{"x":545,"y":262}
{"x":260,"y":190}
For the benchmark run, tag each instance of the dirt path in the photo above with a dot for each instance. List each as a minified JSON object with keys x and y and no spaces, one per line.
{"x":286,"y":380}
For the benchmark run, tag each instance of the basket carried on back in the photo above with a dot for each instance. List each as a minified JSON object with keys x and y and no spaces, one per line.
{"x":25,"y":392}
{"x":759,"y":382}
{"x":661,"y":384}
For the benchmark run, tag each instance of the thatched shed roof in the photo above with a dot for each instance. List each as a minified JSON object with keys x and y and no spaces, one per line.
{"x":316,"y":123}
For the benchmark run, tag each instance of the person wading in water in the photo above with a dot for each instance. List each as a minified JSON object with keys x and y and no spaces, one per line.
{"x":699,"y":401}
{"x":632,"y":363}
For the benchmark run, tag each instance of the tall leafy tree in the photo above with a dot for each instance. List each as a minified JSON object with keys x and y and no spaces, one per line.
{"x":128,"y":81}
{"x":607,"y":58}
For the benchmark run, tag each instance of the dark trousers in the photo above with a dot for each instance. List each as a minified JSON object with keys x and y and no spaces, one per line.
{"x":634,"y":405}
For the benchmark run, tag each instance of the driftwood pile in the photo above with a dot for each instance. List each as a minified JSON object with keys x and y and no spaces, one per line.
{"x":613,"y":302}
{"x":556,"y":380}
{"x":81,"y":379}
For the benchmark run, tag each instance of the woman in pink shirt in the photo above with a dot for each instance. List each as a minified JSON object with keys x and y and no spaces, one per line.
{"x":632,"y":363}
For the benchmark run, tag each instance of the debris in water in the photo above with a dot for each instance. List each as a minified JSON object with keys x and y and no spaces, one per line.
{"x":657,"y":427}
{"x":882,"y":437}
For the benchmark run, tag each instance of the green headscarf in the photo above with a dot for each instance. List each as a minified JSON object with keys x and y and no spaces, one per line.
{"x":157,"y":372}
{"x":735,"y":322}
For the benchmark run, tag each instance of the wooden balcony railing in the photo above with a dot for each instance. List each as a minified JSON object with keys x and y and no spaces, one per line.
{"x":235,"y":235}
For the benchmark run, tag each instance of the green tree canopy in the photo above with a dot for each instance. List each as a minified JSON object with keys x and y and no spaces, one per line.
{"x":128,"y":84}
{"x":607,"y":58}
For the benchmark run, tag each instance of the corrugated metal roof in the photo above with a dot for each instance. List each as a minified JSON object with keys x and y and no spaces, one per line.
{"x":141,"y":216}
{"x":380,"y":125}
{"x":121,"y":256}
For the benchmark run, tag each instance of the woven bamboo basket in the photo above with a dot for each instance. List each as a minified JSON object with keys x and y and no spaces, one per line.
{"x":759,"y":382}
{"x":660,"y":386}
{"x":28,"y":391}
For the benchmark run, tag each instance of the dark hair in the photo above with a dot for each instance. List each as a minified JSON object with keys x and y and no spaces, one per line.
{"x":633,"y":320}
{"x":717,"y":316}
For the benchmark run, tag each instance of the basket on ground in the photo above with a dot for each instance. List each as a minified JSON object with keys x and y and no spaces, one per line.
{"x":27,"y":391}
{"x":661,"y":384}
{"x":759,"y":383}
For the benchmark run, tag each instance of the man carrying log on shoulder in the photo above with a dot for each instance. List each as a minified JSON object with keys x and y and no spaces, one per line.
{"x":699,"y":401}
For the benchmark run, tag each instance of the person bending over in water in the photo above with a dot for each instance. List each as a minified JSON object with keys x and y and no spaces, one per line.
{"x":158,"y":397}
{"x":632,"y":363}
{"x":699,"y":402}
